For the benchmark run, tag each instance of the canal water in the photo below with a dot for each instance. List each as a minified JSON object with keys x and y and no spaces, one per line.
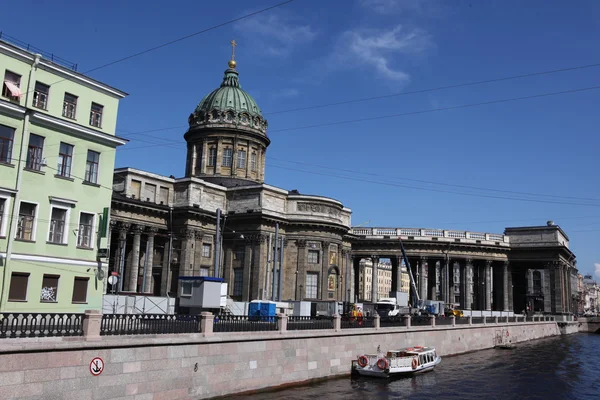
{"x":564,"y":367}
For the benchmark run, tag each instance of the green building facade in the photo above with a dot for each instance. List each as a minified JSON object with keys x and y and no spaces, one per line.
{"x":57,"y":155}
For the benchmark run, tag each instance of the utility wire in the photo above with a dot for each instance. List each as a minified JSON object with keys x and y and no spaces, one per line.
{"x":231,"y":21}
{"x":427,"y":90}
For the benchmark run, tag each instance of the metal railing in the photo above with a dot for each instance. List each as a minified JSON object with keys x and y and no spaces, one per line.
{"x":148,"y":324}
{"x":244,"y":323}
{"x":387,"y":322}
{"x":28,"y":325}
{"x":447,"y":234}
{"x":357,"y":322}
{"x":296,"y":323}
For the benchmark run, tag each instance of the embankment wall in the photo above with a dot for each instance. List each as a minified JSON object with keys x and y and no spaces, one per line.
{"x":190,"y":366}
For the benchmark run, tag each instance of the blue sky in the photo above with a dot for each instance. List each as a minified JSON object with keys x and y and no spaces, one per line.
{"x":395,"y":171}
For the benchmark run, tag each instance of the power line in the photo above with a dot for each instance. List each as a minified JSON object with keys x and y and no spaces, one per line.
{"x":435,"y":183}
{"x":435,"y":190}
{"x":427,"y":90}
{"x":231,"y":21}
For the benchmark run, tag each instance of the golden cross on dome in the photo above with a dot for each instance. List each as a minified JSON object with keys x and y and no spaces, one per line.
{"x":233,"y":45}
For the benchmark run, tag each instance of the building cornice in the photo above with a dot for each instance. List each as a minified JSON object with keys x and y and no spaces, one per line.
{"x":77,"y":130}
{"x":12,"y":109}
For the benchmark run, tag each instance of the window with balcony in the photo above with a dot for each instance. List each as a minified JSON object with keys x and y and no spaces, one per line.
{"x":58,"y":219}
{"x":69,"y":106}
{"x":85,"y":232}
{"x":18,"y":286}
{"x":96,"y":115}
{"x":313,"y":256}
{"x":227,"y":157}
{"x":80,"y":287}
{"x":40,"y":95}
{"x":241,"y":159}
{"x":65,"y":158}
{"x":212,"y":156}
{"x":91,"y":166}
{"x":11,"y":87}
{"x":7,"y":135}
{"x":34,"y":152}
{"x":49,"y":292}
{"x":26,"y":221}
{"x":312,"y":279}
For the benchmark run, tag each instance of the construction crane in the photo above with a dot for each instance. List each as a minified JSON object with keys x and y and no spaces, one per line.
{"x":410,"y":275}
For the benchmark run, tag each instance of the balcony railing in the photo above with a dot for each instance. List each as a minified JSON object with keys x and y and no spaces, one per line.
{"x":439,"y":234}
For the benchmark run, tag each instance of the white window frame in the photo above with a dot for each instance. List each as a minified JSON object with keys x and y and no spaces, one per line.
{"x":316,"y":286}
{"x":3,"y":226}
{"x":227,"y":160}
{"x":64,"y":206}
{"x":209,"y":246}
{"x":241,"y":159}
{"x":94,"y":229}
{"x":204,"y":271}
{"x":185,"y":284}
{"x":97,"y":165}
{"x":35,"y":219}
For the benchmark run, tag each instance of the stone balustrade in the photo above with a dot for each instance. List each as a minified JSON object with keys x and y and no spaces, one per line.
{"x":429,"y":234}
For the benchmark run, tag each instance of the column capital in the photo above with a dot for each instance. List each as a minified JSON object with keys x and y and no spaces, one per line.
{"x":123,"y":226}
{"x":325,"y":244}
{"x":199,"y":235}
{"x":300,"y":243}
{"x":423,"y":258}
{"x":469,"y":261}
{"x":151,"y":230}
{"x":488,"y":263}
{"x":187,"y":233}
{"x":137,"y":229}
{"x":506,"y":263}
{"x":112,"y":224}
{"x":345,"y":252}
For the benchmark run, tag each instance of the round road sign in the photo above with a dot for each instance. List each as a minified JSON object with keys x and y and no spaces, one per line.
{"x":113,"y":279}
{"x":96,"y":366}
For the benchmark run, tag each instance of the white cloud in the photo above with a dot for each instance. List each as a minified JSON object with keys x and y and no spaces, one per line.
{"x":394,"y":6}
{"x":597,"y":267}
{"x":274,"y":34}
{"x":380,"y":48}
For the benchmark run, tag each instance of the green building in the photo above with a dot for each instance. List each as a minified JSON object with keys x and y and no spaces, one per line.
{"x":57,"y":155}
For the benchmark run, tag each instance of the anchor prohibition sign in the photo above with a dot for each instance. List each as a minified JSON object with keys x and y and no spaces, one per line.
{"x":96,"y":366}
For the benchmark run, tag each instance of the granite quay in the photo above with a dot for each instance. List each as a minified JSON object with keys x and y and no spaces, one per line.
{"x":208,"y":363}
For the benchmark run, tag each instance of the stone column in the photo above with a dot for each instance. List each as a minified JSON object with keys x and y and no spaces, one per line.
{"x":423,"y":278}
{"x":374,"y":279}
{"x":506,"y":286}
{"x":134,"y":268}
{"x":324,"y":270}
{"x":397,"y":265}
{"x":301,"y":268}
{"x":468,"y":283}
{"x":248,"y":254}
{"x":194,"y":160}
{"x":198,"y":236}
{"x":165,"y":271}
{"x":556,"y":287}
{"x":186,"y":262}
{"x":437,"y":282}
{"x":119,"y":258}
{"x":488,"y":285}
{"x":444,"y":275}
{"x":149,"y":262}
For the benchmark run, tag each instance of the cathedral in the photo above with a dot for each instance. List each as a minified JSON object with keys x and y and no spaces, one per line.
{"x":222,"y":220}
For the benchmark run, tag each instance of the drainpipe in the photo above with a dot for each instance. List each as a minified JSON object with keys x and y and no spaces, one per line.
{"x":275,"y":262}
{"x":169,"y":258}
{"x":24,"y":144}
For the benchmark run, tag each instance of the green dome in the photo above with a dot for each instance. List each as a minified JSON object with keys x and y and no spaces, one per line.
{"x":229,"y":105}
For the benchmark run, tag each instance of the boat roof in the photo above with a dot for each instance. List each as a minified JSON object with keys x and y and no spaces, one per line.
{"x":416,"y":349}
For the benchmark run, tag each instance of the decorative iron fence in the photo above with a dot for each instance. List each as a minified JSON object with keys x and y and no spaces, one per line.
{"x":357,"y":322}
{"x":296,"y":323}
{"x":148,"y":324}
{"x":386,"y":322}
{"x":28,"y":325}
{"x":244,"y":323}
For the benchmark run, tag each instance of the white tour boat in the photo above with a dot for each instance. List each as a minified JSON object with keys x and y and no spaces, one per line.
{"x":406,"y":361}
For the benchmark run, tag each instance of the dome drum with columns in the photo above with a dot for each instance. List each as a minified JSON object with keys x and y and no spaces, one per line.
{"x":227,"y":135}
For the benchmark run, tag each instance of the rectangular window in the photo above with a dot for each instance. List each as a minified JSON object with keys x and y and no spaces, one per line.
{"x":34,"y":152}
{"x":253,"y":162}
{"x":312,"y":279}
{"x":11,"y":86}
{"x":69,"y":106}
{"x":57,"y":225}
{"x":313,"y":256}
{"x":206,"y":250}
{"x":241,"y":159}
{"x":49,"y":292}
{"x":91,"y":166}
{"x":186,"y":288}
{"x":18,"y":287}
{"x":80,"y":287}
{"x":136,"y":189}
{"x":86,"y":225}
{"x":7,"y":136}
{"x":238,"y":281}
{"x":40,"y":95}
{"x":149,"y":192}
{"x":212,"y":156}
{"x":25,"y":223}
{"x":96,"y":115}
{"x":65,"y":157}
{"x":164,"y":195}
{"x":203,"y":271}
{"x":227,"y":157}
